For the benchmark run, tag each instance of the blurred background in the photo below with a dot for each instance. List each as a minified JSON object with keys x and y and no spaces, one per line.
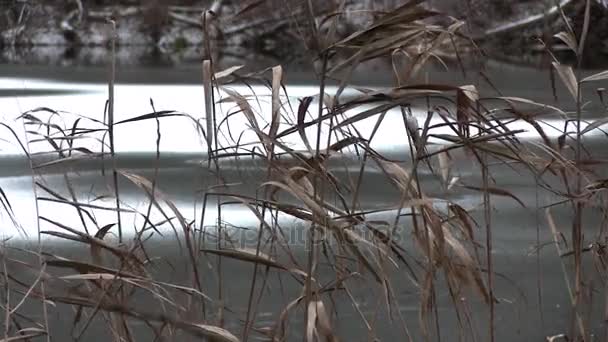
{"x":169,"y":32}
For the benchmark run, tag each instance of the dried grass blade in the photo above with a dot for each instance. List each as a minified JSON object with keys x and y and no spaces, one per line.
{"x":311,"y":321}
{"x":512,"y":100}
{"x":209,"y":332}
{"x":208,"y":89}
{"x":302,"y":110}
{"x":566,"y":73}
{"x":556,"y":234}
{"x":86,"y":268}
{"x":249,"y":255}
{"x":466,"y":98}
{"x":437,"y":41}
{"x":496,"y":191}
{"x":150,"y":116}
{"x":444,"y":166}
{"x":568,"y":39}
{"x":153,"y":192}
{"x":227,"y":72}
{"x":277,"y":81}
{"x":366,"y":114}
{"x":24,"y":337}
{"x":595,"y":124}
{"x":279,"y":329}
{"x":596,"y":77}
{"x":471,"y":268}
{"x":245,"y":107}
{"x":323,"y":322}
{"x":85,"y":238}
{"x":583,"y":37}
{"x":214,"y":333}
{"x":300,"y":193}
{"x":405,"y":13}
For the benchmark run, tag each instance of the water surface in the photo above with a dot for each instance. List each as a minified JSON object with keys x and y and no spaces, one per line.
{"x":183,"y":176}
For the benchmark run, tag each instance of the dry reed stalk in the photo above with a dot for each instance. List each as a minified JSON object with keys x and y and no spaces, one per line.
{"x":111,"y":81}
{"x":343,"y":236}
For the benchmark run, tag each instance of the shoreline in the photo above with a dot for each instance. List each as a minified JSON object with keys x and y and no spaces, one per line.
{"x":166,"y":35}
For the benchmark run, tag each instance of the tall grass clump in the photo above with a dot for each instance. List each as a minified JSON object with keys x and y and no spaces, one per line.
{"x":312,"y":166}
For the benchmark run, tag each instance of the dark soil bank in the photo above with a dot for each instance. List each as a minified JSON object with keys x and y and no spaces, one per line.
{"x":170,"y":31}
